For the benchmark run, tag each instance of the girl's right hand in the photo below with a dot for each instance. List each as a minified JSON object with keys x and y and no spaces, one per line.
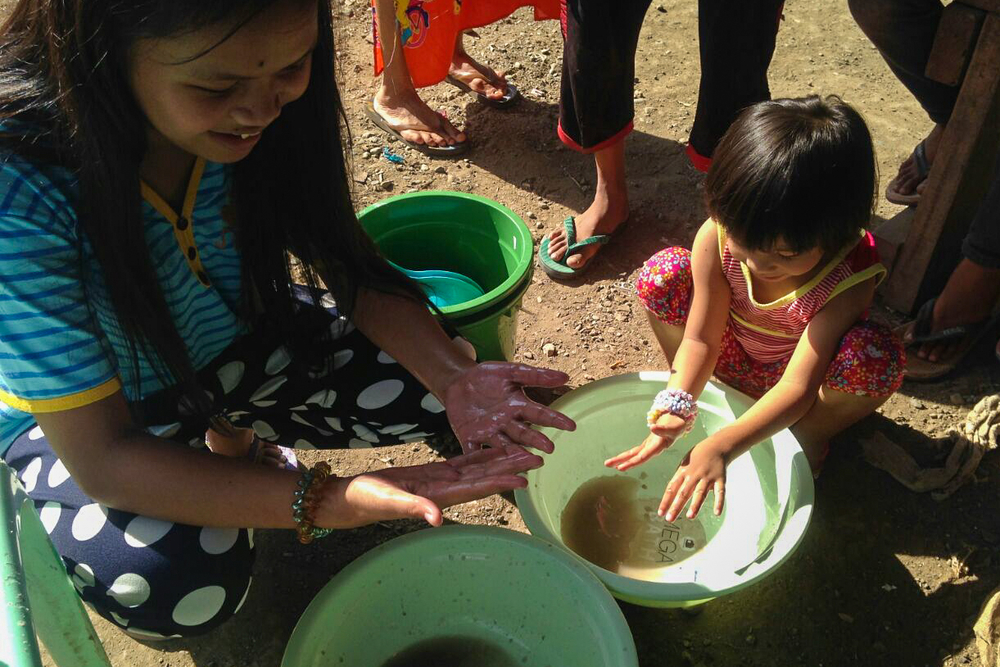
{"x":663,"y":434}
{"x":421,"y":492}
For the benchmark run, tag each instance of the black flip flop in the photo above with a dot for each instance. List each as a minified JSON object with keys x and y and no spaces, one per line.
{"x":919,"y":332}
{"x":454,"y":150}
{"x":509,"y":99}
{"x":923,"y":169}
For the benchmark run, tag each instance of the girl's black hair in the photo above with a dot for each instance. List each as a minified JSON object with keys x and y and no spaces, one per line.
{"x":799,"y":170}
{"x":64,"y":80}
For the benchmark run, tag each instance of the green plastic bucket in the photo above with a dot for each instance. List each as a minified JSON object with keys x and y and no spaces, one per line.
{"x":529,"y":601}
{"x":470,"y":235}
{"x":769,"y":494}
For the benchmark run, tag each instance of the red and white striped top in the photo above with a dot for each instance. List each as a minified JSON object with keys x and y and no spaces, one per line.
{"x":770,"y":331}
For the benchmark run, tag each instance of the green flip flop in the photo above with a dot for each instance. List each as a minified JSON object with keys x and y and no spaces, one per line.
{"x":560,"y":270}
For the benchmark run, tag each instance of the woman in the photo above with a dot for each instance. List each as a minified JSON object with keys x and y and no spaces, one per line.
{"x":162,"y":160}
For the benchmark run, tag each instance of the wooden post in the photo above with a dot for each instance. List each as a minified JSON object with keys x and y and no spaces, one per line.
{"x":954,"y":43}
{"x":959,"y":178}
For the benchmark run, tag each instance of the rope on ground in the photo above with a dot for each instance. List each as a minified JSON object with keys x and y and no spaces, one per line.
{"x":979,"y":434}
{"x":987,"y":630}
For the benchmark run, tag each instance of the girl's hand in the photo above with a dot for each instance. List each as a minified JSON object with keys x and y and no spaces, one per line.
{"x":421,"y":492}
{"x":663,"y":434}
{"x":486,"y":405}
{"x":703,"y":468}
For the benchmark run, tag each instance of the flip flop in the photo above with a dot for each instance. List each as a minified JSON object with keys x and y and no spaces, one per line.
{"x":923,"y":169}
{"x":919,"y":332}
{"x":509,"y":99}
{"x":256,"y":453}
{"x":559,"y":270}
{"x":453,"y":150}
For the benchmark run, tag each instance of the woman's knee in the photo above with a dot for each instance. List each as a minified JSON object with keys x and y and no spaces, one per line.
{"x":887,"y":23}
{"x":156,"y":591}
{"x":874,"y":17}
{"x":869,"y":361}
{"x":664,"y":285}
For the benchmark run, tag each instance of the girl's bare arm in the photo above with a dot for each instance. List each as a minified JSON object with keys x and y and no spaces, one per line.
{"x":789,"y":400}
{"x":709,"y":312}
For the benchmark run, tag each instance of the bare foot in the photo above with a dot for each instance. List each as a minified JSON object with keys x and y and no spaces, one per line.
{"x":908,"y":179}
{"x":955,"y":307}
{"x":479,"y":77}
{"x":415,"y":121}
{"x":238,"y":443}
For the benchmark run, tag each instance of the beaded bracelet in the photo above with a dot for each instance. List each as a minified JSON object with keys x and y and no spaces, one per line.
{"x":306,"y":500}
{"x":674,"y":402}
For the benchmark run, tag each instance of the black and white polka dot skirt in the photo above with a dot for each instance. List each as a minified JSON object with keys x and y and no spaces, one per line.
{"x":160,"y":579}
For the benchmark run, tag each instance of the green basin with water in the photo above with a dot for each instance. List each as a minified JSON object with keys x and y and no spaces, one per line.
{"x":473,"y":236}
{"x":530,"y":602}
{"x":769,"y":495}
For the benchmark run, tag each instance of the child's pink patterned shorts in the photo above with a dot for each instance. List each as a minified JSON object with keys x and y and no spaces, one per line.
{"x":869,"y":361}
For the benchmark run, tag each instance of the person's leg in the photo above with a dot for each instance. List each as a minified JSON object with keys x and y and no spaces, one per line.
{"x":608,"y":210}
{"x":866,"y":371}
{"x":664,"y":287}
{"x":397,"y":100}
{"x":154,"y":579}
{"x":736,"y":43}
{"x":903,"y":31}
{"x":973,"y":289}
{"x":596,"y":108}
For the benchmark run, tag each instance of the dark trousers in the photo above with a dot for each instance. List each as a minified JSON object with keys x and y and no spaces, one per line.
{"x":596,"y":104}
{"x":903,"y":32}
{"x":736,"y":42}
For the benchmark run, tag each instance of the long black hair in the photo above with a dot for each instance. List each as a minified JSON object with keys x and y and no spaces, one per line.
{"x":800,"y":170}
{"x":64,"y":73}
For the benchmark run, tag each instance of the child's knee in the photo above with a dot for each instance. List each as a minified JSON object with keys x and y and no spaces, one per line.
{"x":869,"y":362}
{"x":664,"y":285}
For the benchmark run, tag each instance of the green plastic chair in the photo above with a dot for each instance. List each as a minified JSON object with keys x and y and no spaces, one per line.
{"x":36,"y":594}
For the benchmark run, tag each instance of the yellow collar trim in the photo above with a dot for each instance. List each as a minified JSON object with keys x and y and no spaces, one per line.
{"x":791,"y":296}
{"x":183,"y":224}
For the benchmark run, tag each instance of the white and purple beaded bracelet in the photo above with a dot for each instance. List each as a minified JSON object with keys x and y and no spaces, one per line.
{"x":673,"y":402}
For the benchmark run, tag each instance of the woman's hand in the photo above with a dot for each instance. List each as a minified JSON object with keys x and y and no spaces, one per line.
{"x":663,"y":434}
{"x":486,"y":405}
{"x":421,"y":492}
{"x":702,"y":469}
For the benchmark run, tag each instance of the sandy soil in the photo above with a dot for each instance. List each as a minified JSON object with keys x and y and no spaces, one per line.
{"x":884,"y":576}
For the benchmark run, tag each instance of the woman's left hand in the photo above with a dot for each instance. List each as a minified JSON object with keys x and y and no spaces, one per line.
{"x":703,"y":468}
{"x":486,"y":405}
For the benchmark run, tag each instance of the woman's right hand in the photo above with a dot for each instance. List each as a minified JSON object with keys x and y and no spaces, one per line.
{"x":663,"y":434}
{"x":421,"y":492}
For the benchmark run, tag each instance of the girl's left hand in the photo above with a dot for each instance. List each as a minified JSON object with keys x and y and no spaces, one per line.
{"x":703,"y":468}
{"x":486,"y":405}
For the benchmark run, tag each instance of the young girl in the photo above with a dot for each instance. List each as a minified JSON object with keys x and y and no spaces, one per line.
{"x":773,"y":297}
{"x":160,"y":160}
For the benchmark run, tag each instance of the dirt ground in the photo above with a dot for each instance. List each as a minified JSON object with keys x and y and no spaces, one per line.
{"x":884,"y":576}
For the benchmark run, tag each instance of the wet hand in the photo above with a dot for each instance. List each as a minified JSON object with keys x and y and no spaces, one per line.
{"x":421,"y":492}
{"x":703,"y":468}
{"x":486,"y":405}
{"x":663,"y":434}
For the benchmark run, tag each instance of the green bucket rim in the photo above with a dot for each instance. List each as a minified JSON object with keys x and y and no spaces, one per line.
{"x":617,"y":630}
{"x":651,"y":594}
{"x":502,"y":291}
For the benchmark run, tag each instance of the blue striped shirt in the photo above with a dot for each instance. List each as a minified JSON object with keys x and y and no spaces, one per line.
{"x":54,"y":355}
